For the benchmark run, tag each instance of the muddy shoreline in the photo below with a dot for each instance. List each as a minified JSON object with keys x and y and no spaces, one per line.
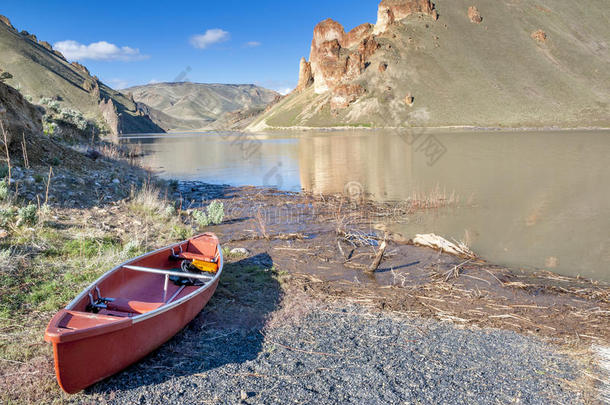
{"x":305,"y":235}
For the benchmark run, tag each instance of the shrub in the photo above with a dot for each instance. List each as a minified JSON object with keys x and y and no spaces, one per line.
{"x":8,"y":263}
{"x":6,"y":216}
{"x":53,"y":105}
{"x":56,"y":114}
{"x":44,"y":210}
{"x":132,"y":248}
{"x":4,"y":191}
{"x":49,"y":128}
{"x":201,"y":218}
{"x":181,"y":232}
{"x":215,"y":214}
{"x":169,"y":211}
{"x":5,"y":75}
{"x":73,"y":117}
{"x":3,"y":171}
{"x":27,"y":215}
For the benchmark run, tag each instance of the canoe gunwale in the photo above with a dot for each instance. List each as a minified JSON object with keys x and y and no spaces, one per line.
{"x":163,"y":308}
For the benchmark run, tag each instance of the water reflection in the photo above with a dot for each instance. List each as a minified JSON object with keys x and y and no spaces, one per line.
{"x":536,"y":200}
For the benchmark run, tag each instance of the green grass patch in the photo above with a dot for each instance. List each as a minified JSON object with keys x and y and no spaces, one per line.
{"x":90,"y":247}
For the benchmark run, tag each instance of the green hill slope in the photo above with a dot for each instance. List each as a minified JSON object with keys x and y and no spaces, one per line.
{"x":525,"y":64}
{"x":191,"y":106}
{"x":39,"y":72}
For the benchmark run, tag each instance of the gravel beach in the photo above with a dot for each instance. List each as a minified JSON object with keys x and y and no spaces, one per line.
{"x":294,"y":348}
{"x":346,"y":355}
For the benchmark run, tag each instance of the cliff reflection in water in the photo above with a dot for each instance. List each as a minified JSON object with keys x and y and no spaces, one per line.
{"x":537,"y":200}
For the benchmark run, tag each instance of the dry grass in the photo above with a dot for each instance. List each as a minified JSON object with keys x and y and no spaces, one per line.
{"x":435,"y":198}
{"x":50,"y":262}
{"x":6,"y":150}
{"x":148,"y":199}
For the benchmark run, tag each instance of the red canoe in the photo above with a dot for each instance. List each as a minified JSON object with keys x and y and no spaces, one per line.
{"x":132,"y":310}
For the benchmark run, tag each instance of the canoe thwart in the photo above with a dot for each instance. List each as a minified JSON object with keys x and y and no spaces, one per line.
{"x":168,"y":272}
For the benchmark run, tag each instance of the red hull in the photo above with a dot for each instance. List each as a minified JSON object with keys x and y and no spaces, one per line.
{"x":89,"y":347}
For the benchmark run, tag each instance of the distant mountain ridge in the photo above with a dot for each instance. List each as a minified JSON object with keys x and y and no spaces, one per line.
{"x":486,"y":63}
{"x":39,"y":72}
{"x":194,"y":106}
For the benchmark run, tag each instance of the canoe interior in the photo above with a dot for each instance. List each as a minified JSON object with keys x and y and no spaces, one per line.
{"x":133,"y":292}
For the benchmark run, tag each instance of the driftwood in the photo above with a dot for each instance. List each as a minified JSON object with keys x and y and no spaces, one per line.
{"x":438,"y":242}
{"x":378,"y":258}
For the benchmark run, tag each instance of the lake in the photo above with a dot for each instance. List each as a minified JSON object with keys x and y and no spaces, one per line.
{"x":531,"y":200}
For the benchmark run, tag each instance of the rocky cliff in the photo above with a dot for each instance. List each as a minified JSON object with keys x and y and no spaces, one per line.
{"x":40,"y":72}
{"x":455,"y":63}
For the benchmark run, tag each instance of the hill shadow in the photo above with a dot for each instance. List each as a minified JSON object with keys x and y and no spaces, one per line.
{"x":228,"y":330}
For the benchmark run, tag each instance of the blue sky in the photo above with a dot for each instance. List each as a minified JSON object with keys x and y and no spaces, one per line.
{"x":136,"y":42}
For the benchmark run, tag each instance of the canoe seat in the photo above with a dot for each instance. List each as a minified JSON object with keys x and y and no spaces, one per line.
{"x":138,"y":307}
{"x":194,"y":256}
{"x":201,"y":248}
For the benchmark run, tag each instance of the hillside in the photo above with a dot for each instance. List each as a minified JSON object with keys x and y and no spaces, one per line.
{"x":490,"y":63}
{"x":41,"y":72}
{"x":191,"y":106}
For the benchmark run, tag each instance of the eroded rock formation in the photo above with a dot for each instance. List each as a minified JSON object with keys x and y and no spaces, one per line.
{"x":46,"y":45}
{"x":29,"y":36}
{"x":391,"y":11}
{"x":539,"y":36}
{"x":109,"y":112}
{"x":81,"y":68}
{"x":338,"y":58}
{"x":353,"y":38}
{"x":305,"y":75}
{"x":59,"y":54}
{"x":345,"y":94}
{"x":4,"y":20}
{"x":409,"y":99}
{"x":474,"y":15}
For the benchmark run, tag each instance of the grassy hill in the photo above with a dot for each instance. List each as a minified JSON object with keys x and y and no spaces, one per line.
{"x":191,"y":106}
{"x":39,"y":72}
{"x":496,"y":73}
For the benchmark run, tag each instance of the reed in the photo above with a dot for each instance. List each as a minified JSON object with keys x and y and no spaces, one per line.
{"x":6,"y":149}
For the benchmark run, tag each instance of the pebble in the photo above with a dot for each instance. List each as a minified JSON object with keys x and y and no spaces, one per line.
{"x":240,"y":251}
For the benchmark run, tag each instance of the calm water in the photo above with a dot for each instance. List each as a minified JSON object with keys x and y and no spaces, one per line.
{"x":536,"y":200}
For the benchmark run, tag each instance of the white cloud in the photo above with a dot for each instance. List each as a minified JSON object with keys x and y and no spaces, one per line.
{"x":101,"y":50}
{"x":284,"y":91}
{"x":252,"y":44}
{"x":212,"y":36}
{"x":154,"y":81}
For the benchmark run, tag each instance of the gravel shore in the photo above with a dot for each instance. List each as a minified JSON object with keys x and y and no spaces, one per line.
{"x":344,"y":354}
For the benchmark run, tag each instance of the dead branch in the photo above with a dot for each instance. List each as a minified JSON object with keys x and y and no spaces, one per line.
{"x":378,"y":258}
